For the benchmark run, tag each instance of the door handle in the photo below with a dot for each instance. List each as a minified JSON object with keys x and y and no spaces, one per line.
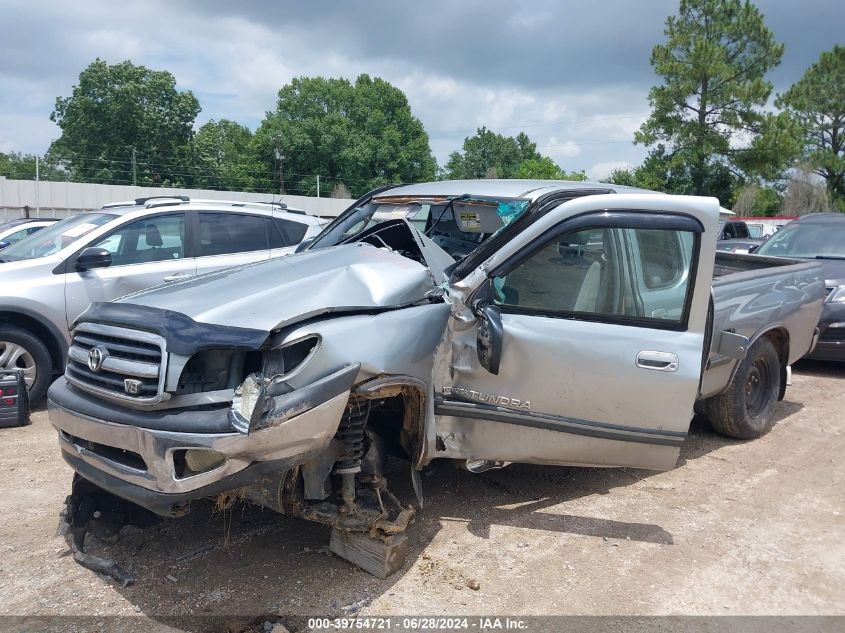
{"x":177,"y":276}
{"x":658,"y":361}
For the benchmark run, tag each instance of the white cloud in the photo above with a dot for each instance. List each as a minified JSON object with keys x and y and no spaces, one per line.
{"x":602,"y":170}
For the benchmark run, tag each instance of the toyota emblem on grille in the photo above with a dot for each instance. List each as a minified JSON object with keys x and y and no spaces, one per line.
{"x":96,"y":357}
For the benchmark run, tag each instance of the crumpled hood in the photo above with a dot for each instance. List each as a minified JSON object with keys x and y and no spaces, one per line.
{"x":270,"y":294}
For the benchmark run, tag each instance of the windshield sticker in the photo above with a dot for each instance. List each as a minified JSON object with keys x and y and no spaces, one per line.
{"x":471,"y":220}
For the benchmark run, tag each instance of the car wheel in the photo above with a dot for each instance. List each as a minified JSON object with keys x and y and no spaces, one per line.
{"x":746,"y":409}
{"x":20,"y":350}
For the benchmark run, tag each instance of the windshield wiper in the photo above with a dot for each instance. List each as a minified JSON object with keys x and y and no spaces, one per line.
{"x":830,"y":256}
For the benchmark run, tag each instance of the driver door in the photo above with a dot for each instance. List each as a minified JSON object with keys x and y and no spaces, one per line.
{"x":581,"y":340}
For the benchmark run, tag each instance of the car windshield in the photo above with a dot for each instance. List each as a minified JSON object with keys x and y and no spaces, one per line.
{"x":54,"y":238}
{"x":458,"y":225}
{"x":806,"y":240}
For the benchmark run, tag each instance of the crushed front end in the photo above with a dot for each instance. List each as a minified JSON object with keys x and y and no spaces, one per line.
{"x":159,"y":417}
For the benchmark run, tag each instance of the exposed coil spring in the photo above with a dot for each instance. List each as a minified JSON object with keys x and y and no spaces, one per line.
{"x":351,"y":434}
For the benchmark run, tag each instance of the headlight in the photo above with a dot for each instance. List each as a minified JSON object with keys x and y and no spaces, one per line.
{"x":254,"y":396}
{"x":837,"y":295}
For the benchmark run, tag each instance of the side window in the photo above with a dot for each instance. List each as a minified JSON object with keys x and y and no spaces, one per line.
{"x":661,"y":257}
{"x":224,"y":233}
{"x":575,"y":272}
{"x":152,"y":239}
{"x":291,"y":232}
{"x":741,"y":230}
{"x":589,"y":273}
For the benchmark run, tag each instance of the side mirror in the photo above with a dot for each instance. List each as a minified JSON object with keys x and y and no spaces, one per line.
{"x":4,"y":244}
{"x":488,"y":343}
{"x":93,"y":257}
{"x":304,"y":244}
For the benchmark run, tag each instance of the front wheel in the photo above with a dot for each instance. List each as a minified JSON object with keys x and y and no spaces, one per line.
{"x":746,"y":409}
{"x":20,"y":350}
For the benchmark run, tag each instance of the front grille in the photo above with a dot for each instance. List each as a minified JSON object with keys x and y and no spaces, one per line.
{"x":828,"y":290}
{"x":127,"y":365}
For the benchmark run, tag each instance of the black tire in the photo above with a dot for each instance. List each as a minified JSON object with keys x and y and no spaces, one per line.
{"x":39,"y":354}
{"x":746,"y":409}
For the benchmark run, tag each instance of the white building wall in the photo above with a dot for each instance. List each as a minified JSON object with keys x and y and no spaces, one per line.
{"x":62,"y":199}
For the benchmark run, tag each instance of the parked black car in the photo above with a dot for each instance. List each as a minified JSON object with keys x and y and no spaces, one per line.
{"x":819,"y":236}
{"x":733,"y":230}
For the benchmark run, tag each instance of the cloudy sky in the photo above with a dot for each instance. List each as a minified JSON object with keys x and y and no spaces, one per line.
{"x":573,"y":75}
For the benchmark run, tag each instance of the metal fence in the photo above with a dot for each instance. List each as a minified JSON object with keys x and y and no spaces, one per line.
{"x":19,"y":198}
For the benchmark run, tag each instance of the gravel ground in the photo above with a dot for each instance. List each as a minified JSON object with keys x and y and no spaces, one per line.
{"x":737,"y":528}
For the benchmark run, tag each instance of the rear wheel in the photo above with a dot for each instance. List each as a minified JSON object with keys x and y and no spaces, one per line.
{"x":20,"y":350}
{"x":746,"y":409}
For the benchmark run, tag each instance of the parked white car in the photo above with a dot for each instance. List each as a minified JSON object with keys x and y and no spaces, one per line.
{"x":14,"y":231}
{"x":50,"y":278}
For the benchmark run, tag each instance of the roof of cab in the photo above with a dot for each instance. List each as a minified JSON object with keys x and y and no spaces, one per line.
{"x":500,"y":188}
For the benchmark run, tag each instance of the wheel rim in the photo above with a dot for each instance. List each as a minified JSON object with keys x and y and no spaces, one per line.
{"x":14,"y":356}
{"x":757,"y":388}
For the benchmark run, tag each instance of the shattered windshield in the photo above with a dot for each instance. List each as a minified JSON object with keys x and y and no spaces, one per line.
{"x":54,"y":238}
{"x":457,"y":224}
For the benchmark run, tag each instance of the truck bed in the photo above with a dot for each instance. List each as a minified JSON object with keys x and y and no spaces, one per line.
{"x":753,"y":294}
{"x":733,"y":263}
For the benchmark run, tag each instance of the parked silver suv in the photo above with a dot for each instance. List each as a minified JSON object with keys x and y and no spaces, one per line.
{"x":48,"y":279}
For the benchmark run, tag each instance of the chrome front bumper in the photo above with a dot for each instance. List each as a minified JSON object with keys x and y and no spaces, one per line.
{"x":136,"y":455}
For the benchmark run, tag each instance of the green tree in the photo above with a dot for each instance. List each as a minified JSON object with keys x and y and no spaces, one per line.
{"x":546,"y":169}
{"x":660,"y":172}
{"x":115,"y":108}
{"x":817,"y":105}
{"x":361,"y":134}
{"x":20,"y":166}
{"x":17,"y":166}
{"x":491,"y":155}
{"x":223,"y":157}
{"x":625,"y":176}
{"x":754,"y":200}
{"x":712,"y":66}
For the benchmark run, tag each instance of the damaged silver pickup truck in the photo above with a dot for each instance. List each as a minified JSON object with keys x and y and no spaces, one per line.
{"x":491,"y":322}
